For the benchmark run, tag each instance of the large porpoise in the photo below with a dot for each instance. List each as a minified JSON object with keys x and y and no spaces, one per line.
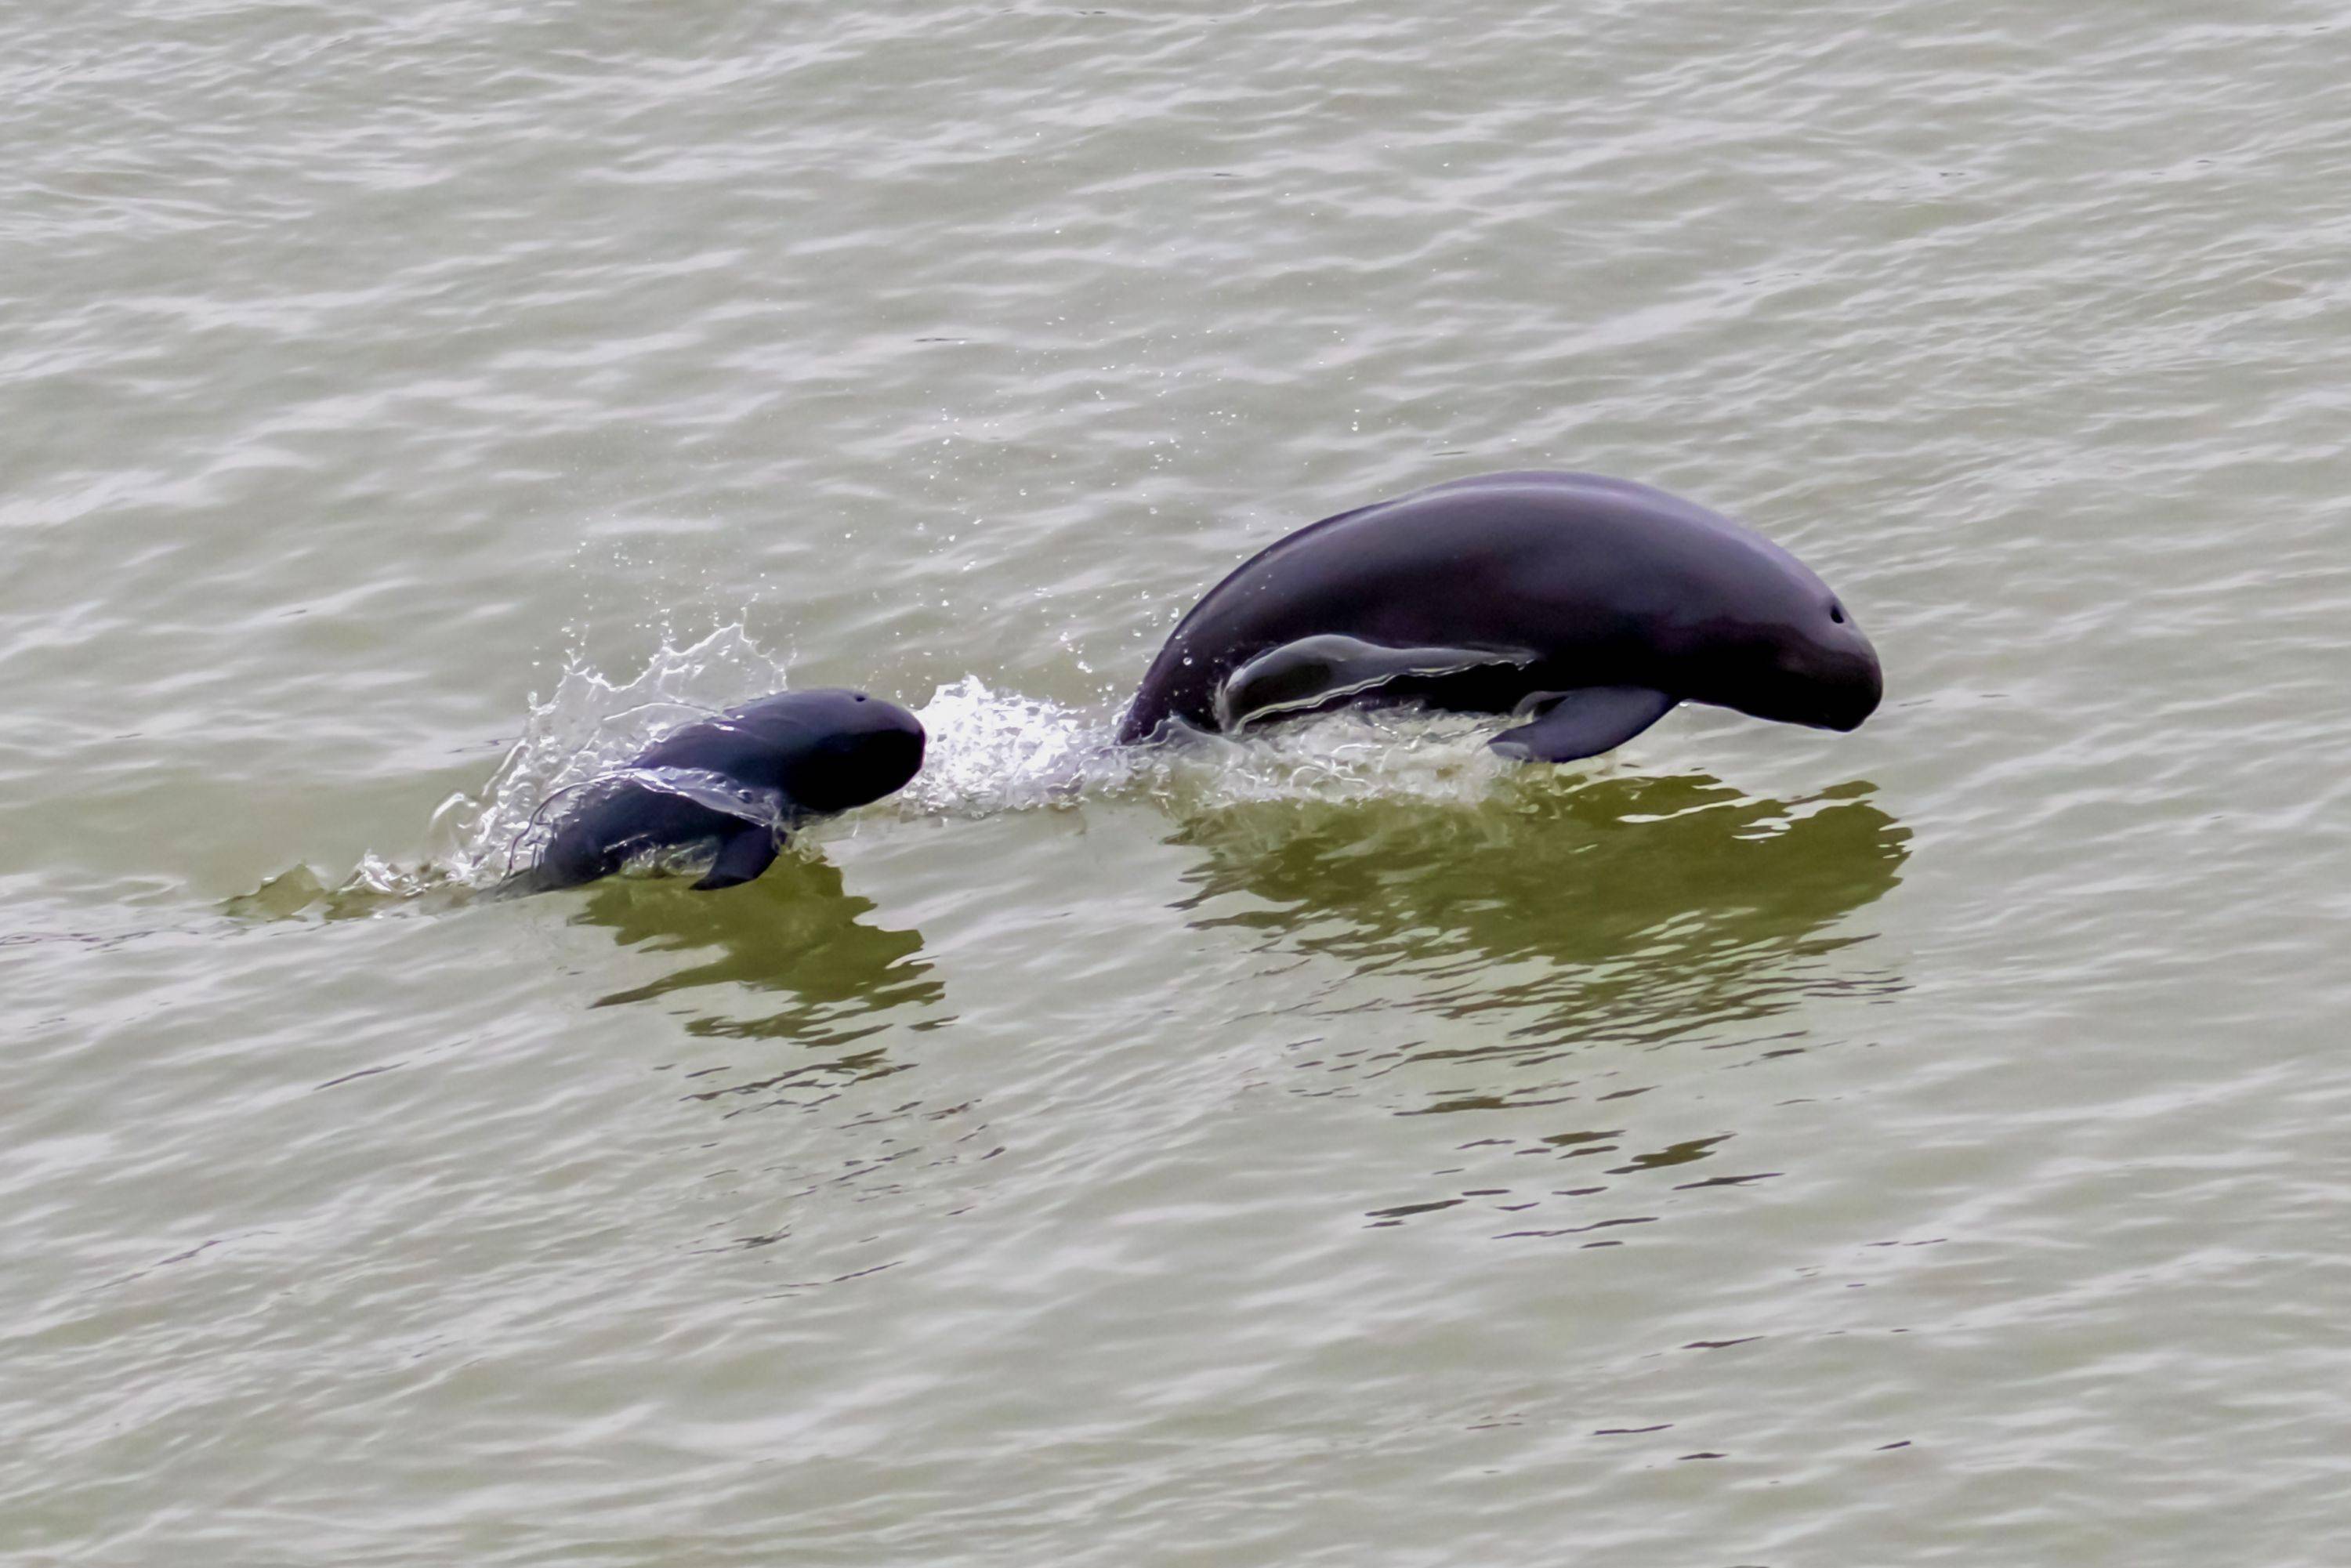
{"x":1585,"y":606}
{"x":734,"y":785}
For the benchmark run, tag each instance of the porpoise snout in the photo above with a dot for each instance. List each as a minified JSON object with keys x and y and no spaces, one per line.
{"x":1859,"y":687}
{"x":900,"y":748}
{"x":885,"y":753}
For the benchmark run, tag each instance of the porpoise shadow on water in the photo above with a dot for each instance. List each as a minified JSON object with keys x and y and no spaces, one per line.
{"x":787,"y":960}
{"x":1632,"y":910}
{"x":796,"y":933}
{"x":1551,"y":918}
{"x":1528,"y":958}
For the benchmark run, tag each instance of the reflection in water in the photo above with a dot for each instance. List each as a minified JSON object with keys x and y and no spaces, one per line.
{"x":1628,"y":908}
{"x":1553,"y":928}
{"x":784,"y":975}
{"x":794,"y":936}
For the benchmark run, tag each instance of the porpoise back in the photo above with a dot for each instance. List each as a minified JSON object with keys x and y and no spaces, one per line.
{"x":1587,"y":604}
{"x":736,"y":783}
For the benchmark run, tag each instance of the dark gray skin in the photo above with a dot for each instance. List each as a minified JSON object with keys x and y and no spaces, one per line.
{"x":1586,"y":605}
{"x":814,"y":752}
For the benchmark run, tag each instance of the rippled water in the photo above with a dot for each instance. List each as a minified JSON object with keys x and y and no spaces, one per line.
{"x":1759,"y":1147}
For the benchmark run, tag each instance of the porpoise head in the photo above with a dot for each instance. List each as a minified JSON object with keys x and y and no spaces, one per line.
{"x":1822,"y":674}
{"x":826,"y":751}
{"x":1774,"y":641}
{"x":847,"y":748}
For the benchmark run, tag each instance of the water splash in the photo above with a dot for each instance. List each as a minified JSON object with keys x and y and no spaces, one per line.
{"x":587,"y":730}
{"x":989,"y":752}
{"x":1390,"y":754}
{"x":992,"y":752}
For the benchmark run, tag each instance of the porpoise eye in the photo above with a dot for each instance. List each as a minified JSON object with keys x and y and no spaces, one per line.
{"x":1837,"y":614}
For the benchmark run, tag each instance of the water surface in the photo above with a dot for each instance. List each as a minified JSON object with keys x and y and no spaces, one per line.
{"x":1762,"y":1147}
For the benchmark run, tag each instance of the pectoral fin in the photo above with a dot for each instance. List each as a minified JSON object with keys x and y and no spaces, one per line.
{"x":1583,"y":723}
{"x":1317,"y":670}
{"x":742,"y":856}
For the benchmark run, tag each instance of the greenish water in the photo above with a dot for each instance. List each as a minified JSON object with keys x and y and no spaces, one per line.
{"x":1762,"y":1147}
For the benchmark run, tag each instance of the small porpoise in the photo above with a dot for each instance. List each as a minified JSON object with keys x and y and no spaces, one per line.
{"x":1585,"y":606}
{"x":738,"y":783}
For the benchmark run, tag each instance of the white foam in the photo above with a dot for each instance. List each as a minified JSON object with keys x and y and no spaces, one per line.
{"x":992,"y":752}
{"x":1350,"y":755}
{"x":988,"y":751}
{"x":588,"y":728}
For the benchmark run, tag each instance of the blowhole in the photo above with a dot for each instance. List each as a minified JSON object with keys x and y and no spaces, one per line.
{"x":1837,"y":614}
